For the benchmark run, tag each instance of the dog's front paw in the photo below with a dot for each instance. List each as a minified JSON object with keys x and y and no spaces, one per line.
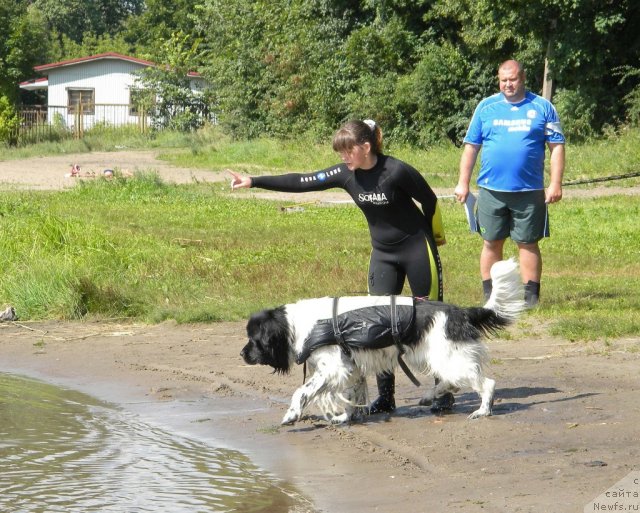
{"x":291,"y":417}
{"x":340,"y":419}
{"x":479,"y":413}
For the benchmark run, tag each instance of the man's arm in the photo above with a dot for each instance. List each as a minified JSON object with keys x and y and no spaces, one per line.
{"x":467,"y":161}
{"x":556,"y":165}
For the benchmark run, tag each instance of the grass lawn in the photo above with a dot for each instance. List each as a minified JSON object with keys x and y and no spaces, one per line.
{"x":145,"y":250}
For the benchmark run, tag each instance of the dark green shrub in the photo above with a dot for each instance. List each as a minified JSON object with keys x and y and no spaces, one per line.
{"x":9,"y":122}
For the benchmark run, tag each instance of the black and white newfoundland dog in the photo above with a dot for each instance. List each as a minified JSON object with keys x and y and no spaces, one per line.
{"x":344,"y":340}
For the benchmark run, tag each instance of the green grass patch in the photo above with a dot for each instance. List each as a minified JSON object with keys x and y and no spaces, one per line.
{"x":146,"y":250}
{"x":139,"y":248}
{"x":142,"y":249}
{"x":108,"y":138}
{"x":209,"y":149}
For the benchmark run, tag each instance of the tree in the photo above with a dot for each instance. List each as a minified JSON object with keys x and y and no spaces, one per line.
{"x":21,"y":44}
{"x":157,"y":22}
{"x":592,"y":41}
{"x":75,"y":18}
{"x":64,"y":48}
{"x":582,"y":42}
{"x":175,"y":104}
{"x":277,"y":65}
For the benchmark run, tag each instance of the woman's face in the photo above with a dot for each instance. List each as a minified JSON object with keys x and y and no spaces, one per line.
{"x":357,"y":157}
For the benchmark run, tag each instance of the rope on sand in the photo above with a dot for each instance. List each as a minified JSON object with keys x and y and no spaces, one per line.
{"x":602,"y":179}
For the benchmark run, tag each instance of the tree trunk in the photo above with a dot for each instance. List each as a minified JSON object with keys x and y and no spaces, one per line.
{"x":547,"y":80}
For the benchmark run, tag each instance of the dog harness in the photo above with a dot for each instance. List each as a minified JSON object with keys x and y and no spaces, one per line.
{"x":372,"y":327}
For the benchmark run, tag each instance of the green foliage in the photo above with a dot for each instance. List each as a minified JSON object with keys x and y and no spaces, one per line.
{"x":632,"y":99}
{"x":91,"y":44}
{"x":275,"y":81}
{"x":157,"y":23}
{"x":590,"y":40}
{"x":379,"y":46}
{"x":417,"y":67}
{"x":431,"y":103}
{"x":9,"y":122}
{"x":175,"y":105}
{"x":492,"y":32}
{"x":290,"y":67}
{"x":378,"y":55}
{"x":577,"y":110}
{"x":76,"y":18}
{"x":633,"y":102}
{"x":584,"y":42}
{"x":21,"y":44}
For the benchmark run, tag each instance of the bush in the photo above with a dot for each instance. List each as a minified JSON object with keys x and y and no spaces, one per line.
{"x":433,"y":95}
{"x":631,"y":99}
{"x":633,"y":103}
{"x":577,"y":110}
{"x":9,"y":122}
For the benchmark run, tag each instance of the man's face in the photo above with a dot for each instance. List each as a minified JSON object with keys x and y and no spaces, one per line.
{"x":511,"y":83}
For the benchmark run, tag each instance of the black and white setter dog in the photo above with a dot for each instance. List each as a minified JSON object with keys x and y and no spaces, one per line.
{"x":436,"y":338}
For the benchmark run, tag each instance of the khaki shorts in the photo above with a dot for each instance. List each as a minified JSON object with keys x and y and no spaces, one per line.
{"x":523,"y":216}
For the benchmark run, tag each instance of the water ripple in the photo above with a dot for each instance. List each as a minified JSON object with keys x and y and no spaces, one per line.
{"x":61,"y":451}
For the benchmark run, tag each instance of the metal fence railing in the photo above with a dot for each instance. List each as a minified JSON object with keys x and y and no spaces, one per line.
{"x":54,"y":122}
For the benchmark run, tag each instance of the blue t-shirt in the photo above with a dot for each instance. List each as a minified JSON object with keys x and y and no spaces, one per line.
{"x":513,"y":138}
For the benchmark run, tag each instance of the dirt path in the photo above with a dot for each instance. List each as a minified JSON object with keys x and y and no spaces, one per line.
{"x":564,"y":429}
{"x":48,"y":173}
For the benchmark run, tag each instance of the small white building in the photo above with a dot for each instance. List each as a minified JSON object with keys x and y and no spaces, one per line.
{"x":99,"y":88}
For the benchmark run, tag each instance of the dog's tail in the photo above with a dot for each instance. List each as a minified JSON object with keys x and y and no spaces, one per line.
{"x":507,"y":294}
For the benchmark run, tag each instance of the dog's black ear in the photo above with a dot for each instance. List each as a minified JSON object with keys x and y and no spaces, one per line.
{"x":270,"y":330}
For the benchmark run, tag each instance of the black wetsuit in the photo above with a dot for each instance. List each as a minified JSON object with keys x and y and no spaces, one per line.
{"x":402,"y":236}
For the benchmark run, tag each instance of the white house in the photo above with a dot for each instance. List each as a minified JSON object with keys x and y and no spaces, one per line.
{"x":99,"y":88}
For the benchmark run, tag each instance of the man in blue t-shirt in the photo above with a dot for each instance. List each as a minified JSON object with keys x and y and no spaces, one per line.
{"x":512,"y":128}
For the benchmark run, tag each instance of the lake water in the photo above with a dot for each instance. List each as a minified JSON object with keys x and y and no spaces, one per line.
{"x":63,"y":451}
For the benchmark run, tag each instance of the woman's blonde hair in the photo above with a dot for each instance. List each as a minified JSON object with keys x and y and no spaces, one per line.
{"x":357,"y":132}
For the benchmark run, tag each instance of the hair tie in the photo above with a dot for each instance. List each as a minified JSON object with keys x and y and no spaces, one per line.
{"x":370,"y":123}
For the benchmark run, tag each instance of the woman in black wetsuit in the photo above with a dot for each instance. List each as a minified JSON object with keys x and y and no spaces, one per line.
{"x":404,"y":238}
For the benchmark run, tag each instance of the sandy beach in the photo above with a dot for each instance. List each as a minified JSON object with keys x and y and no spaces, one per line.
{"x":564,"y":427}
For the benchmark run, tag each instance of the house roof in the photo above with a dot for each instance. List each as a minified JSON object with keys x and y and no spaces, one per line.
{"x":33,"y":84}
{"x":108,"y":55}
{"x":44,"y":68}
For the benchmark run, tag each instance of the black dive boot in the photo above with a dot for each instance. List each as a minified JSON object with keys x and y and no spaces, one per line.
{"x":444,"y":403}
{"x":386,"y":403}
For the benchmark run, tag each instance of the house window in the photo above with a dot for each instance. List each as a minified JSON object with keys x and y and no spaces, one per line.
{"x":140,"y":100}
{"x":82,"y":100}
